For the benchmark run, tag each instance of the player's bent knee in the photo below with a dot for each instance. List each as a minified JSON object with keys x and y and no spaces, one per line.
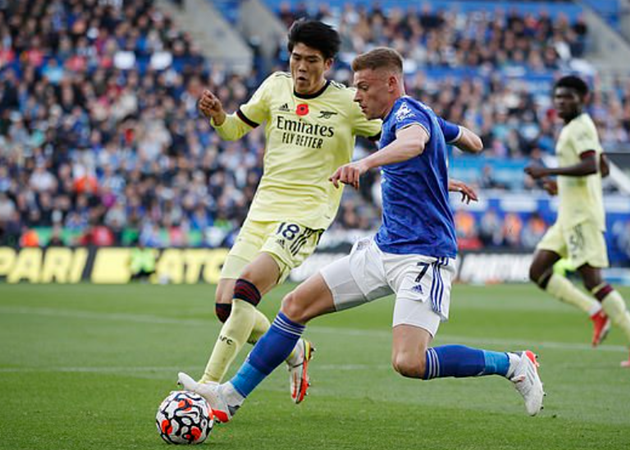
{"x":534,"y":274}
{"x":409,"y":365}
{"x":293,"y":309}
{"x":224,"y":294}
{"x":592,"y":282}
{"x":539,"y":276}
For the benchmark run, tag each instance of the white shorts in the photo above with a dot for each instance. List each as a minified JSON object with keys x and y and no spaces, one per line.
{"x":422,"y":284}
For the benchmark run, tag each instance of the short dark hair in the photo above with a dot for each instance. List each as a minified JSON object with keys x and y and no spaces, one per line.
{"x":573,"y":82}
{"x":315,"y":34}
{"x":377,"y":58}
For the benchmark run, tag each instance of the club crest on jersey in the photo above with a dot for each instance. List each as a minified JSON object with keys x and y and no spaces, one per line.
{"x":403,"y":112}
{"x":302,"y":109}
{"x":326,"y":114}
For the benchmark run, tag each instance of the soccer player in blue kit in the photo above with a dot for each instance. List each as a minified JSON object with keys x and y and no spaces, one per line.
{"x":412,"y":255}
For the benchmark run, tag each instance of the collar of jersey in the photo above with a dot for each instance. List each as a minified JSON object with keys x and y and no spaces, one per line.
{"x":576,"y":117}
{"x":316,"y":94}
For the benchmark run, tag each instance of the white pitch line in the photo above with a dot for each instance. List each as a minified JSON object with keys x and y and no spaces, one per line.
{"x":513,"y":344}
{"x":135,"y":318}
{"x":103,"y":369}
{"x":130,"y":369}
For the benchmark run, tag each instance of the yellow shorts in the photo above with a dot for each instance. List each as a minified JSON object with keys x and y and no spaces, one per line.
{"x":581,"y":244}
{"x":288,"y":243}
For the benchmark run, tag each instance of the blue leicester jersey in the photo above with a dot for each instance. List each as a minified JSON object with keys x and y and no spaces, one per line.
{"x":417,"y":217}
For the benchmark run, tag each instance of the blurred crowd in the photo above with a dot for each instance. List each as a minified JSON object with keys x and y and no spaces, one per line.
{"x":431,"y":36}
{"x":99,"y":128}
{"x":101,"y":143}
{"x":513,"y":114}
{"x":492,"y":230}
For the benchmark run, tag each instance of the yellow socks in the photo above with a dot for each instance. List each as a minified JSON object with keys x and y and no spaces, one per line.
{"x":616,"y":309}
{"x":235,"y":332}
{"x":563,"y":289}
{"x":261,"y":325}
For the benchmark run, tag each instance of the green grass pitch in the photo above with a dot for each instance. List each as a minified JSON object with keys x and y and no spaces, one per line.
{"x":85,"y":367}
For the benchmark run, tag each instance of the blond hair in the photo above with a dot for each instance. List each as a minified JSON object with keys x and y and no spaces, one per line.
{"x":379,"y":58}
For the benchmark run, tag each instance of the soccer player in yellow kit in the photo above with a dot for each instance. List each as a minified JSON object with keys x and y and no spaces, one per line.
{"x":578,"y":233}
{"x":310,"y":129}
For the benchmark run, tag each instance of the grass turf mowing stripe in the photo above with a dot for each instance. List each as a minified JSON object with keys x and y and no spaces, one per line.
{"x":314,"y":329}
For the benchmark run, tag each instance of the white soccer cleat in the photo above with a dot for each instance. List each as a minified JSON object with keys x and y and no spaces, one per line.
{"x":298,"y":372}
{"x":527,"y":382}
{"x":186,"y":381}
{"x":211,"y":392}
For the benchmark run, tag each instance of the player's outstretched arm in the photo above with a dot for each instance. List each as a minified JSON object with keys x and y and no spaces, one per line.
{"x":587,"y":166}
{"x":232,"y":127}
{"x":409,"y":142}
{"x":467,"y":192}
{"x":468,"y":141}
{"x":460,"y":136}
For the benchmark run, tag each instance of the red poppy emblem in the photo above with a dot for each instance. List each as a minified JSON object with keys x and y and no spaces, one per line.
{"x":302,"y":109}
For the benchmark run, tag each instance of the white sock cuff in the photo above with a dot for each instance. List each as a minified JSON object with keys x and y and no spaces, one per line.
{"x":232,"y":396}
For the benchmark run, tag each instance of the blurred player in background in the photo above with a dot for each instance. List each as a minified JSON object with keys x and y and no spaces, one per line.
{"x":412,"y":255}
{"x":310,"y":130}
{"x":578,"y":233}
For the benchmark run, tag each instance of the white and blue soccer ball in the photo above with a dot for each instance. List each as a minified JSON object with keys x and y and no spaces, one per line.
{"x":184,"y":417}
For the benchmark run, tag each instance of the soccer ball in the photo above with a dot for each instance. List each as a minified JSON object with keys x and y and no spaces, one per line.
{"x":184,"y":418}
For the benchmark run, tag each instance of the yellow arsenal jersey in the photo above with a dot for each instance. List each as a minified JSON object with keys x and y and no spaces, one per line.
{"x":308,"y":138}
{"x":580,"y":197}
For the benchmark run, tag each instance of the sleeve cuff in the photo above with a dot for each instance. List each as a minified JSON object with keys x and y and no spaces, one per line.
{"x":458,"y":137}
{"x":587,"y":154}
{"x":245,"y":119}
{"x":410,"y":124}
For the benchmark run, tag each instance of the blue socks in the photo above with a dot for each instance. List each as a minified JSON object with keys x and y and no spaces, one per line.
{"x":462,"y":361}
{"x":270,"y":351}
{"x":444,"y":361}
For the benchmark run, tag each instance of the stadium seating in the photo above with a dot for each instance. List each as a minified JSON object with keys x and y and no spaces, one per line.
{"x":98,"y":121}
